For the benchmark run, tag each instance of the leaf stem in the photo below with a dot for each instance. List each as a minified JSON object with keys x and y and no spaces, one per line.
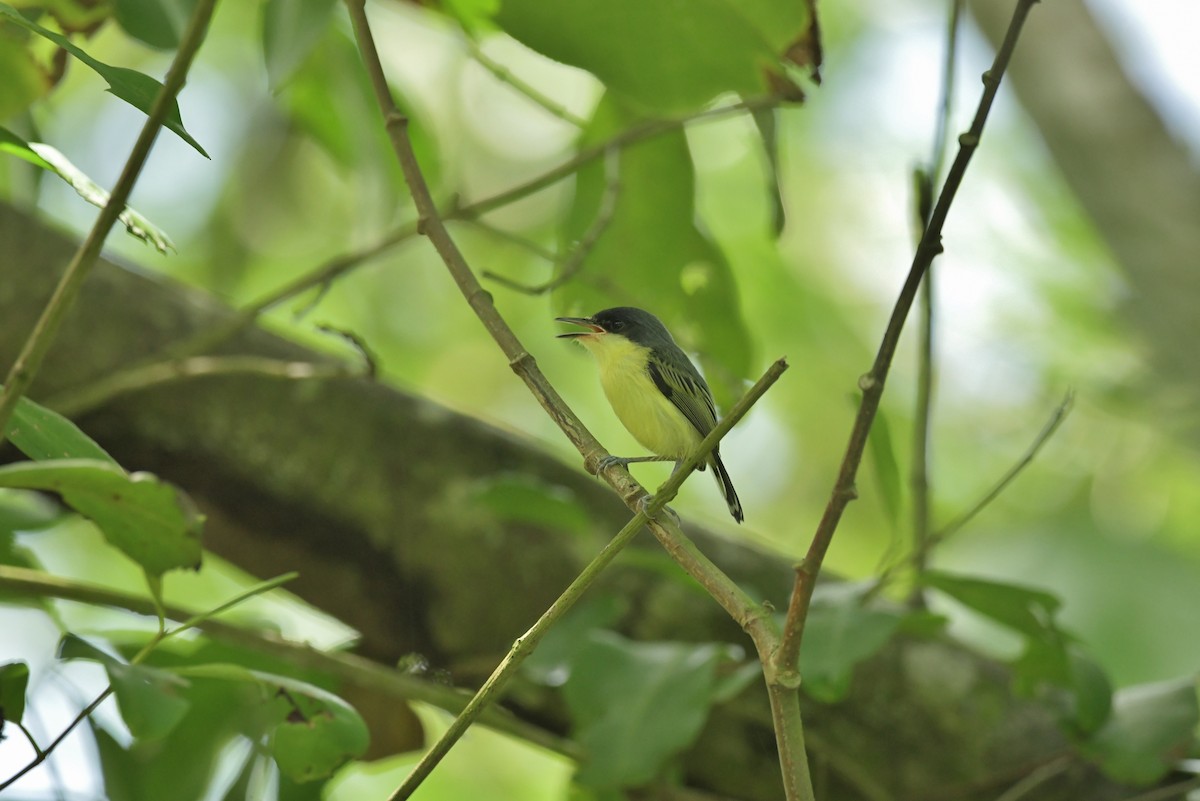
{"x":26,"y":366}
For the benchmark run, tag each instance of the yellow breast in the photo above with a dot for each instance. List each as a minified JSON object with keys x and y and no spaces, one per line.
{"x":640,"y":405}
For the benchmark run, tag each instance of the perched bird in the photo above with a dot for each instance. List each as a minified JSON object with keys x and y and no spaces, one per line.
{"x":656,"y":391}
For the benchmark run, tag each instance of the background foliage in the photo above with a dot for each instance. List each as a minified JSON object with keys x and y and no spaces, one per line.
{"x":752,"y":237}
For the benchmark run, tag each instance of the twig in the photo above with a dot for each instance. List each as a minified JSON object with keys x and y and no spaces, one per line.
{"x":525,"y":644}
{"x":1036,"y":779}
{"x":42,"y":755}
{"x":324,"y":274}
{"x":25,"y":368}
{"x":872,"y":384}
{"x":1172,"y":792}
{"x":573,"y":263}
{"x":536,"y":248}
{"x":927,"y":178}
{"x":75,"y":402}
{"x":1056,"y":418}
{"x":347,"y":667}
{"x":505,"y":75}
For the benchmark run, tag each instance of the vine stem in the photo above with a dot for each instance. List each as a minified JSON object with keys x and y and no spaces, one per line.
{"x":25,"y":368}
{"x":786,"y":660}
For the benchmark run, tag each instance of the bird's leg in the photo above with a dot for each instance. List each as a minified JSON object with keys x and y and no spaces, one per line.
{"x":625,"y":461}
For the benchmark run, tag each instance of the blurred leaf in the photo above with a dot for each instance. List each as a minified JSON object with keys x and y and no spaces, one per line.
{"x":521,"y":498}
{"x":329,"y":97}
{"x":24,"y":80}
{"x":1024,"y":609}
{"x":312,"y":731}
{"x":158,"y":23}
{"x":149,"y":520}
{"x":766,"y":121}
{"x":665,"y":57}
{"x":1152,"y":727}
{"x":886,"y":467}
{"x":180,"y":766}
{"x":51,"y":160}
{"x":1057,"y":662}
{"x":135,"y":88}
{"x":840,"y":633}
{"x":473,"y":15}
{"x":635,"y":705}
{"x":291,"y":29}
{"x":651,"y":254}
{"x":150,"y":699}
{"x":22,"y":510}
{"x":550,"y":664}
{"x":42,"y":434}
{"x":14,"y":678}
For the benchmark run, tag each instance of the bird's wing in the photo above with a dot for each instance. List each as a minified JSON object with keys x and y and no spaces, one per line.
{"x":688,"y":392}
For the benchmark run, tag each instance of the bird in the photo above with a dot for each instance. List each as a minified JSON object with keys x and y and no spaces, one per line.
{"x":655,"y":390}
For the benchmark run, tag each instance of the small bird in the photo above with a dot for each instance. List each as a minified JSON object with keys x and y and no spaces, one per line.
{"x":656,"y":391}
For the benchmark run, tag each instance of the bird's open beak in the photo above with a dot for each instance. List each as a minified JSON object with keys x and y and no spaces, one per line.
{"x":583,"y":321}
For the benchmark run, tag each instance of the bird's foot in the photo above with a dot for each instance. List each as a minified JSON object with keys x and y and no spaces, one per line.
{"x":644,"y":507}
{"x":611,"y":461}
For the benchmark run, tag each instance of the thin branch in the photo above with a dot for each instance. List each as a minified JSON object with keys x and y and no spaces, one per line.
{"x":42,"y":756}
{"x":25,"y":368}
{"x":347,"y":667}
{"x":1056,"y":418}
{"x":327,"y":272}
{"x":75,"y":402}
{"x":505,"y":75}
{"x":1036,"y":779}
{"x":872,"y":384}
{"x":927,"y":178}
{"x":525,"y":644}
{"x":573,"y":263}
{"x":536,"y":248}
{"x":1172,"y":792}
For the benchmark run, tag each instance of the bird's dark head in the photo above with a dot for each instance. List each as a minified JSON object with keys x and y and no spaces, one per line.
{"x":638,"y":326}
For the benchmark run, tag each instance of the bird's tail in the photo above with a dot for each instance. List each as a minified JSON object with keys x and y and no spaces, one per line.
{"x":731,"y":497}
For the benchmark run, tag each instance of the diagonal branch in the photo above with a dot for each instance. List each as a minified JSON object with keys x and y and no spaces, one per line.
{"x":787,"y":658}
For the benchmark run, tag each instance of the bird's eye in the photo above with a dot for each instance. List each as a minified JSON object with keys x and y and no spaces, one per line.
{"x":616,"y":325}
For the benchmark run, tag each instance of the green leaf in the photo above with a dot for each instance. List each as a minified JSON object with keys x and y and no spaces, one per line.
{"x":664,"y":57}
{"x":312,"y":731}
{"x":150,"y":699}
{"x":1026,"y":610}
{"x":180,"y":766}
{"x":521,"y":498}
{"x":550,"y":665}
{"x":14,"y":678}
{"x":149,"y":520}
{"x":1152,"y":726}
{"x":291,"y":29}
{"x":135,"y":88}
{"x":635,"y":705}
{"x":158,"y":23}
{"x":652,"y":251}
{"x":1057,"y":662}
{"x":53,"y":161}
{"x":43,"y":434}
{"x":840,"y":633}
